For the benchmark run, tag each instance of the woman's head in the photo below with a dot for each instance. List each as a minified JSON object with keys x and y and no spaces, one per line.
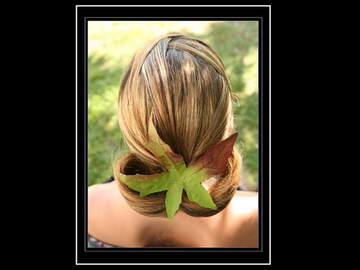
{"x":179,"y":84}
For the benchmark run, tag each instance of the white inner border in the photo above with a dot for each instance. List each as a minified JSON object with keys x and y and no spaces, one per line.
{"x":76,"y":135}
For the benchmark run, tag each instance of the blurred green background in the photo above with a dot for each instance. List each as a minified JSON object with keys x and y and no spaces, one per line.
{"x":111,"y":44}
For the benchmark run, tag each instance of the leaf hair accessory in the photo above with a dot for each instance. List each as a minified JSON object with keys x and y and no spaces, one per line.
{"x":178,"y":176}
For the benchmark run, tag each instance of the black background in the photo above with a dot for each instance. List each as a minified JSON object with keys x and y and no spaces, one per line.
{"x":45,"y":216}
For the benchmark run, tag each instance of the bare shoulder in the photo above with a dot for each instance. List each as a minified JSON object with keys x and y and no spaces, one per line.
{"x":245,"y":202}
{"x":110,"y":219}
{"x":244,"y":211}
{"x":100,"y":198}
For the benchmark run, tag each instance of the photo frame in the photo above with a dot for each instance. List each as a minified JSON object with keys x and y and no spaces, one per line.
{"x":173,"y":256}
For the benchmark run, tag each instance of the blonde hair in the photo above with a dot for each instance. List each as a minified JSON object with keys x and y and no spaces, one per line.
{"x":178,"y":83}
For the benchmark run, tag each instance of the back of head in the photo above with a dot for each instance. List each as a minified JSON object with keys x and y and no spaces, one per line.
{"x":179,"y":84}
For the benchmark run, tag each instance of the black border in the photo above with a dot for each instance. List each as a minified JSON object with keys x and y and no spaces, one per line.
{"x":157,"y":255}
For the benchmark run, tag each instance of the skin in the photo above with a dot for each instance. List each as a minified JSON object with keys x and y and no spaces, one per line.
{"x":111,"y":220}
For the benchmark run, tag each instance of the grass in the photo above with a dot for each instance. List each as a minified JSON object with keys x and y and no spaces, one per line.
{"x":111,"y":46}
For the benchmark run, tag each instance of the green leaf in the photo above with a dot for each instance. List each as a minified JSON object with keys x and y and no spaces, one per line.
{"x":146,"y":184}
{"x":179,"y":177}
{"x":161,"y":150}
{"x":173,"y":198}
{"x":197,"y":193}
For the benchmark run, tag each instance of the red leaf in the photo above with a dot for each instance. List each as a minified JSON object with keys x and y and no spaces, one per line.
{"x":216,"y":157}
